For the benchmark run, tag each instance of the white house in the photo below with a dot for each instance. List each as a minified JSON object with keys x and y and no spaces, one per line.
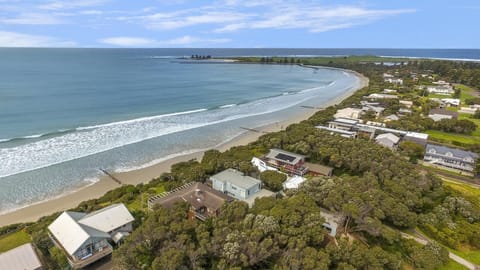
{"x":235,"y":184}
{"x":406,"y":103}
{"x":351,"y":113}
{"x":23,"y":257}
{"x":381,"y":96}
{"x":389,"y":91}
{"x":472,"y":109}
{"x":84,"y":237}
{"x":394,"y":81}
{"x":451,"y":102}
{"x":440,"y":89}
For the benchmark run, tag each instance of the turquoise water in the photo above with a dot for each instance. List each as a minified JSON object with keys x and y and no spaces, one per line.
{"x":66,"y":113}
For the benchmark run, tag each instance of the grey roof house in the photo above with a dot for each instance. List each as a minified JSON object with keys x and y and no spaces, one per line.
{"x":388,"y":140}
{"x":450,"y":157}
{"x":235,"y":184}
{"x":23,"y":257}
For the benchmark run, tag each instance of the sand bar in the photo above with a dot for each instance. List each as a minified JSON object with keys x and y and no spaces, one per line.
{"x":34,"y":212}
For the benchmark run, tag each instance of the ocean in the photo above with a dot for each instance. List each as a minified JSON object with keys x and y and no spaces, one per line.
{"x":65,"y":113}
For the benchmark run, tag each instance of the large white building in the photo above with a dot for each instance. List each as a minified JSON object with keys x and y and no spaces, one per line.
{"x":85,"y":237}
{"x":352,"y":113}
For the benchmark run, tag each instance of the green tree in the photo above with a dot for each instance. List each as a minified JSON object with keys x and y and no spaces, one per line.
{"x":273,"y":180}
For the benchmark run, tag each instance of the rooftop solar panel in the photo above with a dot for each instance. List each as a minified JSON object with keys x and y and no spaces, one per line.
{"x":285,"y":157}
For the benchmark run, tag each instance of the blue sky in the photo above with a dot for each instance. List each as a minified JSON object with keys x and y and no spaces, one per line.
{"x":240,"y":24}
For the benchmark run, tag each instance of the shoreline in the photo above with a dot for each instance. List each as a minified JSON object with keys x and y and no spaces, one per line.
{"x":32,"y":213}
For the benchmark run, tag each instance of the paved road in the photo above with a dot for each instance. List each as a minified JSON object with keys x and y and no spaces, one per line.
{"x":452,"y":256}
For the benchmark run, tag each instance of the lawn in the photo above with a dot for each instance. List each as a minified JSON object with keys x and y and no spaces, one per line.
{"x":465,"y":92}
{"x":453,"y":265}
{"x":137,"y":204}
{"x":453,"y":137}
{"x":469,"y":255}
{"x":14,"y":240}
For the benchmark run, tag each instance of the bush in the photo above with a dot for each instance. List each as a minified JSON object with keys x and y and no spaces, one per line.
{"x":273,"y":180}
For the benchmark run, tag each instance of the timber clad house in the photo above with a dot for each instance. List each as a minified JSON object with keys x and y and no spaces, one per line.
{"x":85,"y":237}
{"x":287,"y":161}
{"x":204,"y":201}
{"x":450,"y":158}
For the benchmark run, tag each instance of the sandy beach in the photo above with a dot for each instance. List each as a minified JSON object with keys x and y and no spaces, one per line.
{"x":34,"y":212}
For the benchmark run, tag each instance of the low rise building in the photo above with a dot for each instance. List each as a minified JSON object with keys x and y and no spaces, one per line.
{"x":85,"y":237}
{"x":388,"y":140}
{"x":286,"y":161}
{"x":204,"y":201}
{"x":235,"y":184}
{"x":440,"y":89}
{"x":391,"y":117}
{"x":418,"y":138}
{"x":394,"y":81}
{"x":352,"y":113}
{"x":472,"y":109}
{"x":23,"y":257}
{"x":341,"y":132}
{"x":440,"y":114}
{"x":451,"y":102}
{"x":452,"y":158}
{"x":381,"y":96}
{"x":406,"y":103}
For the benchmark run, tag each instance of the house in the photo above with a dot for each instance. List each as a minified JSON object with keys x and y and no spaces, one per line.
{"x":351,"y":113}
{"x":450,"y":158}
{"x":394,"y":81}
{"x":406,"y":103}
{"x":235,"y":184}
{"x":440,"y":89}
{"x":389,"y":91}
{"x":418,"y":138}
{"x":440,"y":114}
{"x":262,"y":165}
{"x":472,"y":109}
{"x":23,"y":257}
{"x":376,"y":109}
{"x":388,"y":140}
{"x":381,"y":96}
{"x":343,"y":123}
{"x":341,"y":132}
{"x":387,"y":76}
{"x":441,"y":83}
{"x":85,"y":237}
{"x":286,"y":161}
{"x":391,"y":117}
{"x":203,"y":200}
{"x":317,"y":169}
{"x":332,"y":222}
{"x":404,"y":111}
{"x":449,"y":102}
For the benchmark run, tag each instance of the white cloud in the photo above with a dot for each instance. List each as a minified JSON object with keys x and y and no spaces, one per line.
{"x":91,"y":12}
{"x":13,"y":39}
{"x":33,"y":19}
{"x":147,"y":42}
{"x":235,"y":15}
{"x":128,"y":41}
{"x":71,"y":4}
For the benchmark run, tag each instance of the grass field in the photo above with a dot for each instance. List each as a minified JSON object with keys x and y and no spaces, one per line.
{"x":454,"y":137}
{"x":14,"y":240}
{"x":453,"y":265}
{"x":466,"y":92}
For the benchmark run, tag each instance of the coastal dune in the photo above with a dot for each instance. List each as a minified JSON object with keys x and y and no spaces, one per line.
{"x":66,"y":201}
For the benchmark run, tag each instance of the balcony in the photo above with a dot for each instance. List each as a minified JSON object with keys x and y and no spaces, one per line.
{"x":80,"y":263}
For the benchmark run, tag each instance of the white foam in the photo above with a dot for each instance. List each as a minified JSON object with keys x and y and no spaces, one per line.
{"x":227,"y":106}
{"x":95,"y":139}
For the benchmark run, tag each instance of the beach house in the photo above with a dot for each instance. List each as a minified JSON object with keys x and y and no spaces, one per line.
{"x":388,"y":140}
{"x":85,"y":238}
{"x":204,"y":201}
{"x":452,"y":158}
{"x":286,"y":161}
{"x":23,"y":257}
{"x":351,"y":113}
{"x":235,"y":184}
